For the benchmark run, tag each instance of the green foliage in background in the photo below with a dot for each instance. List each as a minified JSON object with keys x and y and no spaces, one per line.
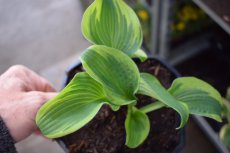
{"x":188,"y":20}
{"x":225,"y":130}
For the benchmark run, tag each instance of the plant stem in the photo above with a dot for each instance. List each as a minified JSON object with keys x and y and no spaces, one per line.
{"x":152,"y":107}
{"x":130,"y":106}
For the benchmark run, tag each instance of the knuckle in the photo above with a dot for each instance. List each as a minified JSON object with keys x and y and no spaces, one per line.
{"x":18,"y":71}
{"x":39,"y":96}
{"x":17,"y":68}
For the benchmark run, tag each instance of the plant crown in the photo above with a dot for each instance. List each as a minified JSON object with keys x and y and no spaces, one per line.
{"x":112,"y":78}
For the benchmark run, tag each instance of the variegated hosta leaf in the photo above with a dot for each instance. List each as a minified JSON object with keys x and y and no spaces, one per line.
{"x":226,"y":109}
{"x":137,"y":127}
{"x":114,"y":24}
{"x":70,"y":110}
{"x":150,"y":86}
{"x":117,"y":73}
{"x":200,"y":97}
{"x":225,"y":135}
{"x":140,"y":54}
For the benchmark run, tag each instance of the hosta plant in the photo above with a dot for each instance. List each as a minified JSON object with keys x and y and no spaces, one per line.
{"x":112,"y":78}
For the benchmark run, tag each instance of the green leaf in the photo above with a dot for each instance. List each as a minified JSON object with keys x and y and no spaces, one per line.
{"x":113,"y":107}
{"x":70,"y":110}
{"x":150,"y":86}
{"x":137,"y":127}
{"x":114,"y":24}
{"x":152,"y":107}
{"x":200,"y":97}
{"x":226,"y":109}
{"x":225,"y":135}
{"x":117,"y":73}
{"x":228,"y":94}
{"x":140,"y":54}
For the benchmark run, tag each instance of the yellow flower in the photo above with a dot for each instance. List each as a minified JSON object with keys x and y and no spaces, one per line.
{"x":180,"y":26}
{"x":189,"y":13}
{"x":143,"y":15}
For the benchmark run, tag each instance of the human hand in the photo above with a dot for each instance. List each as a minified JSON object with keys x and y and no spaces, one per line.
{"x":22,"y":93}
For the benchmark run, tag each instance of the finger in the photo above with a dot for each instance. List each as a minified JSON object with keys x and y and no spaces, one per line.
{"x":39,"y":83}
{"x":45,"y":86}
{"x":37,"y":132}
{"x":46,"y":96}
{"x":38,"y":98}
{"x":27,"y":79}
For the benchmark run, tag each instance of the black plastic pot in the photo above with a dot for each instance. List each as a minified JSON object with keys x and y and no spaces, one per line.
{"x":71,"y":70}
{"x":211,"y":133}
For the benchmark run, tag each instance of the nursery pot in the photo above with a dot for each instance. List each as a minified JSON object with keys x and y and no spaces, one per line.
{"x":106,"y":132}
{"x":212,"y":133}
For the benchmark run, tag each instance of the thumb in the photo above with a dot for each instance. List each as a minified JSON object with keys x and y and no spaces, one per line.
{"x":46,"y":96}
{"x":43,"y":97}
{"x":38,"y":98}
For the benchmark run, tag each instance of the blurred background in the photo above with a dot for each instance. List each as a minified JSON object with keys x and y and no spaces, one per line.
{"x":191,"y":35}
{"x":39,"y":33}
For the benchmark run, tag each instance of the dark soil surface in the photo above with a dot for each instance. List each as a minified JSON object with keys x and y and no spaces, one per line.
{"x":106,"y":132}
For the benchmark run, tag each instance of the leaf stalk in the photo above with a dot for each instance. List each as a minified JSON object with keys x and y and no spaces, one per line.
{"x":152,"y":107}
